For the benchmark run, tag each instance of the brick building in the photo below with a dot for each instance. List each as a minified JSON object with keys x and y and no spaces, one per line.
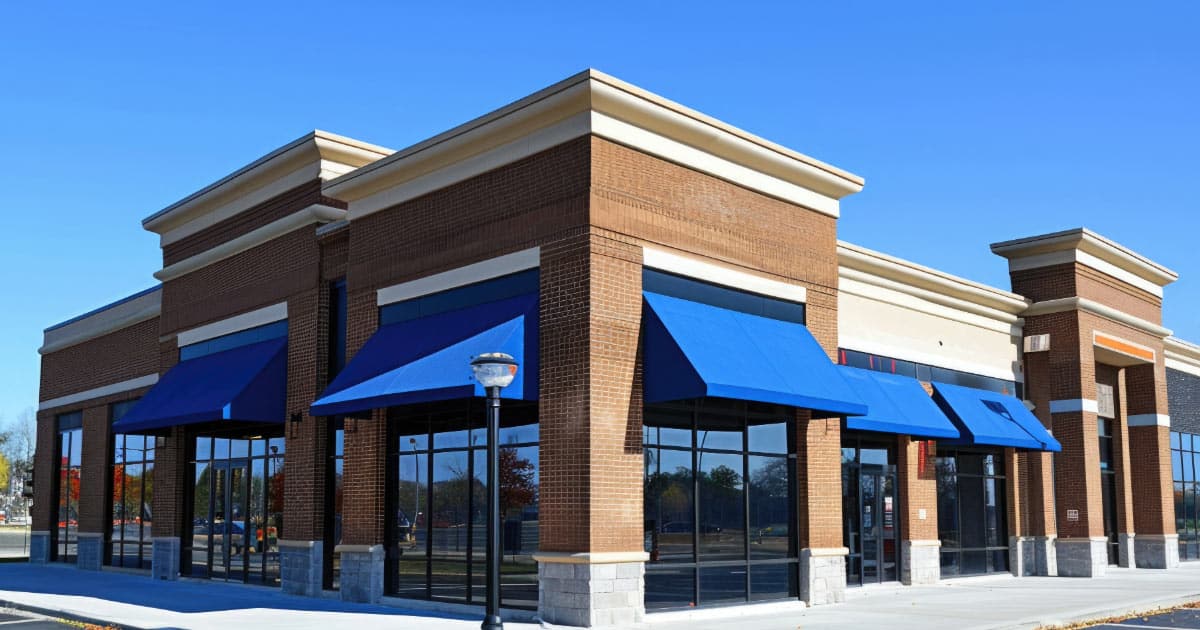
{"x":717,"y":401}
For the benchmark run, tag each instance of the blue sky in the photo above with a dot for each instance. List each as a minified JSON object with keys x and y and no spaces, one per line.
{"x":972,"y":122}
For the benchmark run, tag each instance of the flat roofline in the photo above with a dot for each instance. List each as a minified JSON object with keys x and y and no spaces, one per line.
{"x":110,"y":305}
{"x":226,"y":180}
{"x":601,"y":95}
{"x":1084,"y":238}
{"x":858,"y":257}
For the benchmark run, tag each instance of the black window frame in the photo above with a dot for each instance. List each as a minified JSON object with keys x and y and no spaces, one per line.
{"x":999,"y":474}
{"x":68,"y":431}
{"x":119,"y":452}
{"x":1185,"y":457}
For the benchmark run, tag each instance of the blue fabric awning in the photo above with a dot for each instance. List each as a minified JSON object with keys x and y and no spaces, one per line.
{"x":896,"y":404}
{"x":692,"y":350}
{"x":428,"y":359}
{"x":993,"y":419}
{"x":247,"y":383}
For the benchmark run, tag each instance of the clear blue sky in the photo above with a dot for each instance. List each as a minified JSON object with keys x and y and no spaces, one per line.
{"x":972,"y":122}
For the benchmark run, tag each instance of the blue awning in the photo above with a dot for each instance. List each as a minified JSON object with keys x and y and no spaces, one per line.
{"x":247,"y":383}
{"x":428,"y":359}
{"x":692,"y":350}
{"x":993,"y":419}
{"x":896,"y":404}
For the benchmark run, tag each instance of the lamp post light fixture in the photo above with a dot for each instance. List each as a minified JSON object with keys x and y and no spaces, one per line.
{"x":494,"y":371}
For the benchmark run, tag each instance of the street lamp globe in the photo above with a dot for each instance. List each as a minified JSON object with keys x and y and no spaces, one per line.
{"x":494,"y":369}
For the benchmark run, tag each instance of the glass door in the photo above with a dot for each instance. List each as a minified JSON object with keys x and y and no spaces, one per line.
{"x":227,"y":511}
{"x":869,"y":513}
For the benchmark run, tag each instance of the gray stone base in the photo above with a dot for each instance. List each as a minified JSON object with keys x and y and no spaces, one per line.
{"x":301,"y":567}
{"x":39,"y":547}
{"x":164,"y":563}
{"x":1082,"y":557}
{"x":1032,"y":555}
{"x":362,"y":573}
{"x":90,"y":551}
{"x":573,"y":593}
{"x":1157,"y":552}
{"x":1125,"y":550}
{"x":921,"y":561}
{"x":823,"y":575}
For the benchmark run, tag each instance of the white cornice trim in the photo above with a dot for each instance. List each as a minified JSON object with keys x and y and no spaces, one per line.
{"x":1090,"y":243}
{"x":671,"y":262}
{"x":319,"y":154}
{"x":594,"y":103}
{"x":237,"y":323}
{"x":462,"y":276}
{"x":1061,"y":257}
{"x":865,"y":265}
{"x":1150,"y":420}
{"x":99,"y":392}
{"x":1181,"y":355}
{"x":1062,"y":305}
{"x":1074,"y":405}
{"x":316,"y":213}
{"x":111,"y":319}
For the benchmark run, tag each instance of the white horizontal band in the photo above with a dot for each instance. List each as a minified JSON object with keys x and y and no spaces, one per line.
{"x":1074,"y":405}
{"x":111,"y":319}
{"x":701,"y":270}
{"x":1150,"y":420}
{"x":237,"y":323}
{"x":99,"y":392}
{"x":462,"y":276}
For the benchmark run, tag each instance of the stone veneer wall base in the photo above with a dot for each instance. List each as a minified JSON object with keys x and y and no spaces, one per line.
{"x":39,"y":547}
{"x":921,"y":561}
{"x":574,"y":590}
{"x":1157,"y":552}
{"x":1032,"y":556}
{"x":90,"y":551}
{"x":1126,"y":548}
{"x":823,"y":575}
{"x":301,"y":567}
{"x":1082,"y":557}
{"x":362,"y":573}
{"x":164,"y":563}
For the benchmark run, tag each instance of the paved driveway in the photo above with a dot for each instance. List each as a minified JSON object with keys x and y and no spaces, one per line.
{"x":1185,"y":618}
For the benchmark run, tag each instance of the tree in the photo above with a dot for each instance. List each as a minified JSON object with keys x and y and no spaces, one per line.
{"x":517,"y":486}
{"x":5,"y":470}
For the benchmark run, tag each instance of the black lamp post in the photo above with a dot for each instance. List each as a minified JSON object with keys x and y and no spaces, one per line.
{"x":494,"y":371}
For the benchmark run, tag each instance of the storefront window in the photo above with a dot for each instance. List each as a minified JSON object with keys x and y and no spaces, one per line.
{"x":870,"y":509}
{"x":438,"y":513}
{"x":719,"y":503}
{"x":1184,"y":447}
{"x":237,"y":509}
{"x":972,"y":517}
{"x":132,"y":495}
{"x":927,"y":373}
{"x":70,"y":449}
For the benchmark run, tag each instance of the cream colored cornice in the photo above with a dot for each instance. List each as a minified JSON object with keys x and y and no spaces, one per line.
{"x":102,"y":321}
{"x":316,"y":213}
{"x":872,"y":267}
{"x":317,"y":155}
{"x":1092,"y":245}
{"x":1063,"y":305}
{"x":1182,"y":355}
{"x":594,"y":103}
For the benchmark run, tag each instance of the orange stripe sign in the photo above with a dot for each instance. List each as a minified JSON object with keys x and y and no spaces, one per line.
{"x":1124,"y":347}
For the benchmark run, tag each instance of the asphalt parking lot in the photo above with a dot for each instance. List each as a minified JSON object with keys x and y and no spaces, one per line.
{"x":1181,"y":618}
{"x":29,"y":621}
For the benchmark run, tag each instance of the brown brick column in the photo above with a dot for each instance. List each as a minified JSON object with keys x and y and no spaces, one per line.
{"x":44,"y":511}
{"x":1039,"y":527}
{"x":302,"y":544}
{"x":921,"y":561}
{"x":95,"y":483}
{"x":590,"y":521}
{"x":1121,"y":466}
{"x":170,"y":480}
{"x":819,"y":509}
{"x":1156,"y":544}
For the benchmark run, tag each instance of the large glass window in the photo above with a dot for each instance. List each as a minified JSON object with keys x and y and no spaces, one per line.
{"x":70,"y":451}
{"x":336,"y":486}
{"x":719,"y":503}
{"x":132,"y":495}
{"x":972,"y":516}
{"x":1184,"y":448}
{"x":438,"y":513}
{"x":237,"y":499}
{"x":923,"y":372}
{"x":1108,"y":487}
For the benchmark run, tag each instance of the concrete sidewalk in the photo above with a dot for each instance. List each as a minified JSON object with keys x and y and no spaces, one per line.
{"x":135,"y":601}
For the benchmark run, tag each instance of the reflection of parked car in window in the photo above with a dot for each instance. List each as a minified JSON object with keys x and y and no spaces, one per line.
{"x":231,"y":532}
{"x":686,"y":528}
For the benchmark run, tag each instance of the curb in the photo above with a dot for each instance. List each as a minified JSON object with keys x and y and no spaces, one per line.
{"x":1095,"y":616}
{"x":60,"y":614}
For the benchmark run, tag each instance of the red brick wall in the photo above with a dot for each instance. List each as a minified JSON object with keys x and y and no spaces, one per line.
{"x":121,"y":355}
{"x":917,"y":478}
{"x":248,"y":220}
{"x":819,"y":481}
